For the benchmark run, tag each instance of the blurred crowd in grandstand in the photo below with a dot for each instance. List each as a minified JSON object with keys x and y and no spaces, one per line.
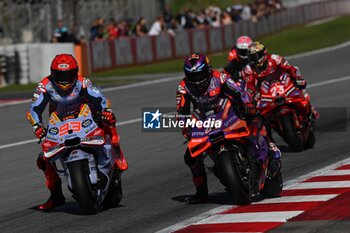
{"x":212,"y":16}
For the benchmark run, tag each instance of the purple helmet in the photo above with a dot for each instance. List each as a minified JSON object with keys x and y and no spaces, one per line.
{"x":198,"y":72}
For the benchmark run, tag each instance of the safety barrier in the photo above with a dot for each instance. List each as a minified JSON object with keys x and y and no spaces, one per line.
{"x":149,"y":49}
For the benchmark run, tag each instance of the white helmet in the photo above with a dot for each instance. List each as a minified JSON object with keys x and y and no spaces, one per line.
{"x":242,"y":45}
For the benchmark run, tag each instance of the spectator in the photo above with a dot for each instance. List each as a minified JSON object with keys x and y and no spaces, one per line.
{"x":261,"y":11}
{"x":212,"y":16}
{"x":123,"y":31}
{"x":157,"y":27}
{"x":95,"y":28}
{"x":168,"y":17}
{"x":215,"y":20}
{"x":75,"y":35}
{"x":226,"y":19}
{"x":112,"y":29}
{"x":140,"y":27}
{"x":61,"y":32}
{"x":101,"y":32}
{"x":246,"y":13}
{"x":175,"y":26}
{"x":202,"y":20}
{"x":235,"y":13}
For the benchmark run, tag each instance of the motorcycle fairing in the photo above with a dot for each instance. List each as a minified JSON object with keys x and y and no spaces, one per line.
{"x":232,"y":127}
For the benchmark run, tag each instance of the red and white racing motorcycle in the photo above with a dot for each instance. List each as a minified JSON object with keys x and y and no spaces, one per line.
{"x":87,"y":158}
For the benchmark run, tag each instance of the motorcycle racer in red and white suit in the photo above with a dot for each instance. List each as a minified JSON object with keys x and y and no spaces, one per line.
{"x":262,"y":65}
{"x":64,"y":90}
{"x":238,"y":57}
{"x":203,"y":87}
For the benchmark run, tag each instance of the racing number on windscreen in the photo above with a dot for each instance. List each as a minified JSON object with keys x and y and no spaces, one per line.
{"x":277,"y":89}
{"x":74,"y":126}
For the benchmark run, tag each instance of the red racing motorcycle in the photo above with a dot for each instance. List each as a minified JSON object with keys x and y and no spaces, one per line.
{"x":285,"y":109}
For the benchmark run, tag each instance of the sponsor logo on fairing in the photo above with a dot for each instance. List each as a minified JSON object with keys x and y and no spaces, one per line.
{"x":53,"y":131}
{"x":86,"y":123}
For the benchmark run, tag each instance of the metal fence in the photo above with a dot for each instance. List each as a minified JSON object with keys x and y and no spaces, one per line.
{"x":34,"y":20}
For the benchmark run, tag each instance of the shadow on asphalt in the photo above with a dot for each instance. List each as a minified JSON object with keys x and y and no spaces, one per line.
{"x":286,"y":149}
{"x":70,"y":207}
{"x":220,"y":198}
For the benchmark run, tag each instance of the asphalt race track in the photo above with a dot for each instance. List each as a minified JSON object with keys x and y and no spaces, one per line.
{"x":158,"y":180}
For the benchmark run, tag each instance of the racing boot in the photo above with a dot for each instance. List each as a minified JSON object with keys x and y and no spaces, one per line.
{"x":53,"y":183}
{"x":121,"y":162}
{"x":314,"y":114}
{"x":56,"y":198}
{"x":275,"y":163}
{"x":201,"y":195}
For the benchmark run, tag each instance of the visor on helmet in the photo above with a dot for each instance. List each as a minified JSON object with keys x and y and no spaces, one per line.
{"x":197,"y":77}
{"x":242,"y":52}
{"x":198,"y":81}
{"x":64,"y":79}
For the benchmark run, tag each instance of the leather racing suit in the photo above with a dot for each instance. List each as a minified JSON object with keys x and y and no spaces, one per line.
{"x":82,"y":92}
{"x":220,"y":86}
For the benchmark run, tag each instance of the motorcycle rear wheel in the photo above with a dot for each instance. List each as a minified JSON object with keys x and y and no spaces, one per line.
{"x":230,"y":175}
{"x":290,"y":133}
{"x":81,"y":186}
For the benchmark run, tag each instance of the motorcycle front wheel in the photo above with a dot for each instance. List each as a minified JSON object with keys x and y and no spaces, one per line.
{"x":81,"y":186}
{"x":290,"y":133}
{"x":230,"y":175}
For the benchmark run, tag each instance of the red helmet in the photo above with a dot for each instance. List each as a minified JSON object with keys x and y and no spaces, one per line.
{"x":242,"y":45}
{"x":64,"y":71}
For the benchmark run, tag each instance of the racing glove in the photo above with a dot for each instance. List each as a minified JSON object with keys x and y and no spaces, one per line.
{"x":301,"y":83}
{"x":108,"y":117}
{"x":39,"y":130}
{"x":186,"y":132}
{"x":250,"y":109}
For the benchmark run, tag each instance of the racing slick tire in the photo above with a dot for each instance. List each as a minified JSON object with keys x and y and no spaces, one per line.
{"x":290,"y":133}
{"x":230,"y":175}
{"x":81,"y":186}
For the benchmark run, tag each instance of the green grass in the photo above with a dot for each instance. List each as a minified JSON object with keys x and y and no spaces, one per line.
{"x":303,"y":38}
{"x":198,"y":5}
{"x":290,"y":41}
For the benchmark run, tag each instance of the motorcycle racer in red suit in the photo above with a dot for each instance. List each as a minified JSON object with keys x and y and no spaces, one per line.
{"x":64,"y":90}
{"x":262,"y":64}
{"x":238,"y":57}
{"x":203,"y":87}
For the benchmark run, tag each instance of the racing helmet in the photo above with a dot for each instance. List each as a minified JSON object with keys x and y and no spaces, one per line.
{"x":257,"y":55}
{"x":197,"y":71}
{"x":64,"y":72}
{"x":242,"y":44}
